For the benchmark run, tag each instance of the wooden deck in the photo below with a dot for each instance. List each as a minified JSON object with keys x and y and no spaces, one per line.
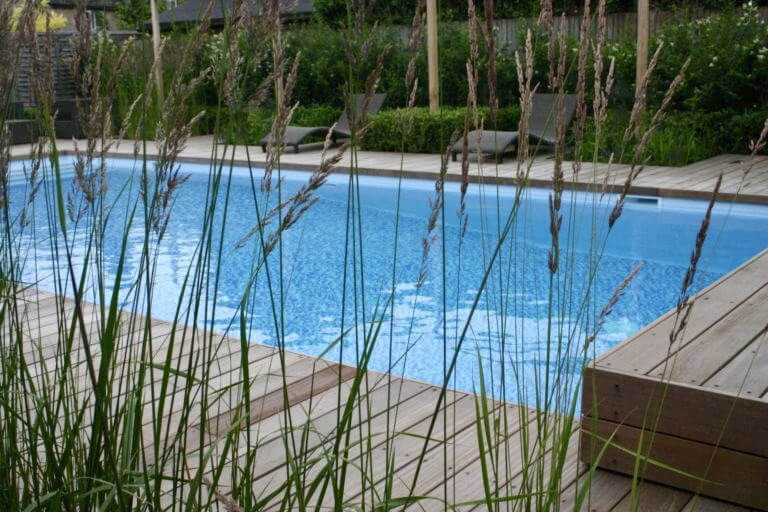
{"x":694,"y":181}
{"x":388,"y":404}
{"x":703,"y":398}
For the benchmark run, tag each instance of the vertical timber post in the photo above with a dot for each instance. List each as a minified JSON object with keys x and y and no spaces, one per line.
{"x":643,"y":30}
{"x":156,"y":49}
{"x":432,"y":56}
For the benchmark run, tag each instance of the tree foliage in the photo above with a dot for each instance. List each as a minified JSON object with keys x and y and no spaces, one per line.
{"x":46,"y":18}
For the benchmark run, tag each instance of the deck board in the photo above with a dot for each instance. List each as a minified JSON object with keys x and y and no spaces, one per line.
{"x":713,"y":303}
{"x":314,"y":395}
{"x":744,"y":373}
{"x":699,"y":360}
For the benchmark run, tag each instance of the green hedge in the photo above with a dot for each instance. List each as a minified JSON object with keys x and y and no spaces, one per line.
{"x":259,"y":121}
{"x":431,"y":132}
{"x":683,"y":138}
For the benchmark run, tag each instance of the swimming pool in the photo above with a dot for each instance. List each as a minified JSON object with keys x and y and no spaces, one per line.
{"x":509,"y":327}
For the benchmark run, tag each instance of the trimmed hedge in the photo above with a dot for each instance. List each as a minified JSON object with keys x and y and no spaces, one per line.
{"x":259,"y":121}
{"x":431,"y":132}
{"x":683,"y":138}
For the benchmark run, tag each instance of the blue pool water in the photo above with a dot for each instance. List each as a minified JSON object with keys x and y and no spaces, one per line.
{"x":509,"y":327}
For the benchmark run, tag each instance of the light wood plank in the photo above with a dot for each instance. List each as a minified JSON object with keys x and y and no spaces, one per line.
{"x":678,"y":409}
{"x":727,"y":474}
{"x":651,"y":346}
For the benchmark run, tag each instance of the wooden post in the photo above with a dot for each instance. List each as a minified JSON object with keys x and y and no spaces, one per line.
{"x":432,"y":56}
{"x":156,"y":48}
{"x":643,"y":30}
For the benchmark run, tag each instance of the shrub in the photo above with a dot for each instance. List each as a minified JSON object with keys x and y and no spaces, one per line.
{"x":729,"y":62}
{"x":323,"y":70}
{"x":683,"y":138}
{"x":401,"y":11}
{"x":431,"y":132}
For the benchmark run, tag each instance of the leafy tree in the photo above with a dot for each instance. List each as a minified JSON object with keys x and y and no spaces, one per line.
{"x":134,"y":13}
{"x":46,"y":19}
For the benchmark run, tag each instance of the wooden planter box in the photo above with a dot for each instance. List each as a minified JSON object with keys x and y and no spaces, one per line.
{"x":698,"y":405}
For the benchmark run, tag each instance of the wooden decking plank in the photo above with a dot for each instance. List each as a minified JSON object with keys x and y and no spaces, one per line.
{"x":270,"y":455}
{"x":615,"y":176}
{"x":726,"y":474}
{"x":732,"y":182}
{"x":747,"y":373}
{"x":50,"y":354}
{"x":30,"y":308}
{"x":371,"y":435}
{"x":678,"y":409}
{"x":199,"y":148}
{"x":652,"y":497}
{"x":516,"y":483}
{"x":405,"y":416}
{"x":271,"y":427}
{"x":260,"y":435}
{"x":759,"y":190}
{"x":654,"y":172}
{"x":47,"y":317}
{"x":462,"y":451}
{"x":704,"y":504}
{"x":49,"y":346}
{"x":705,"y":182}
{"x":541,"y":169}
{"x":406,"y":446}
{"x":221,"y":366}
{"x":756,"y":182}
{"x":274,"y":401}
{"x":606,"y":490}
{"x":48,"y":327}
{"x":268,"y":405}
{"x":126,"y":360}
{"x":178,"y":411}
{"x":44,"y":351}
{"x":52,"y":364}
{"x":714,"y":348}
{"x":711,"y":168}
{"x":708,"y":162}
{"x":593,"y":177}
{"x":224,"y":388}
{"x":128,"y":354}
{"x":509,"y":450}
{"x":650,"y":347}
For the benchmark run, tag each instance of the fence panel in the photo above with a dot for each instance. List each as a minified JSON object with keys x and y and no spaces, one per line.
{"x":619,"y":26}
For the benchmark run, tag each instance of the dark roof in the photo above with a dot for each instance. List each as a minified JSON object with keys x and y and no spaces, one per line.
{"x":90,"y":4}
{"x":191,"y":11}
